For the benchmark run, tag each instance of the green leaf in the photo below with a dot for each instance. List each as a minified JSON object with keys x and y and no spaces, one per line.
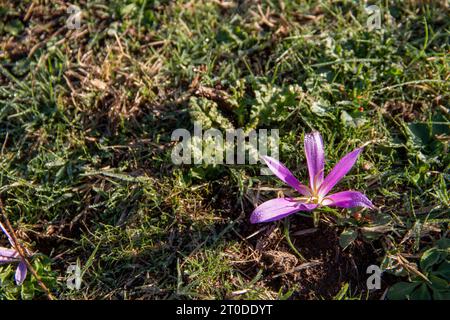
{"x":443,"y":243}
{"x":440,"y":125}
{"x":438,"y":283}
{"x":347,"y":237}
{"x":441,"y":295}
{"x":352,"y":121}
{"x":430,"y":258}
{"x":320,"y":108}
{"x":402,"y":290}
{"x":444,"y":270}
{"x":347,"y":119}
{"x":421,"y":293}
{"x":271,"y":103}
{"x":420,"y":133}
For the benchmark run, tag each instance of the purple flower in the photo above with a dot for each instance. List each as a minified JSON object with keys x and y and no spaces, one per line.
{"x":316,"y":194}
{"x":11,"y":256}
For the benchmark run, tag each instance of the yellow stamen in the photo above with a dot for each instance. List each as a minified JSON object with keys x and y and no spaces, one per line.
{"x":316,"y":199}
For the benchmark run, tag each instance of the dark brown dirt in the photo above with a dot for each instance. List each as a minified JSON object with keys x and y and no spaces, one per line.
{"x":338,"y":266}
{"x":328,"y":266}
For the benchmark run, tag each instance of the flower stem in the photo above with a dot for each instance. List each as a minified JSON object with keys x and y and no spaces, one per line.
{"x":288,"y":239}
{"x":316,"y":218}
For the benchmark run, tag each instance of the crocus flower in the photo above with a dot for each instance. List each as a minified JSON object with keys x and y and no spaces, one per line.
{"x":11,"y":256}
{"x":316,"y":194}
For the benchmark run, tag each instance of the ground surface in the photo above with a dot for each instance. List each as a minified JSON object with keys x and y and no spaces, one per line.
{"x":86,"y":117}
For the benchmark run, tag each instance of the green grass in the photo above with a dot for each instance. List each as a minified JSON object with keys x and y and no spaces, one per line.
{"x":86,"y":118}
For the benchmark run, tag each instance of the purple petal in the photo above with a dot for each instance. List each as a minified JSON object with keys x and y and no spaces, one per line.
{"x":347,"y":199}
{"x":315,"y":158}
{"x":8,"y":255}
{"x":7,"y":260}
{"x":285,"y":175}
{"x":339,"y":171}
{"x":21,"y":273}
{"x":278,"y":208}
{"x":7,"y":234}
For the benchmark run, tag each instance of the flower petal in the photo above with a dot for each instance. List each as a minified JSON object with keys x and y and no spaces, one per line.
{"x":285,"y":175}
{"x":315,"y":157}
{"x":21,"y":273}
{"x":347,"y":199}
{"x":278,"y":208}
{"x":8,"y":255}
{"x":339,"y":171}
{"x":7,"y":234}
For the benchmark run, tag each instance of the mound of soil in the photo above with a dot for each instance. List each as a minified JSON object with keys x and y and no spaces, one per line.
{"x":328,"y":266}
